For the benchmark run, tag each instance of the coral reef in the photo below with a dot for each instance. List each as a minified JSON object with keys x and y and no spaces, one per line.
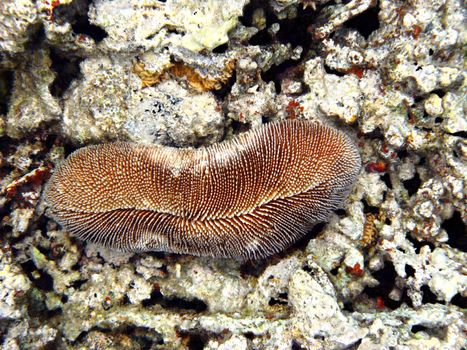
{"x":389,"y":271}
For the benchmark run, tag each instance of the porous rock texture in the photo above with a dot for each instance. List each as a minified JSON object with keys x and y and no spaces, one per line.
{"x":386,"y":272}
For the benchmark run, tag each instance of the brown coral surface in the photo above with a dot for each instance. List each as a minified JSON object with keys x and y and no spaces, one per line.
{"x":245,"y":198}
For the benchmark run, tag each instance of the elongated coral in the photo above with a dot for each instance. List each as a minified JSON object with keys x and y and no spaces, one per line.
{"x":245,"y":198}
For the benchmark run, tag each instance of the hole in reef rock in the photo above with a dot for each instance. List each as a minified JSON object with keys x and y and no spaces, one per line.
{"x":253,"y":268}
{"x":418,"y":328}
{"x":193,"y":339}
{"x":68,"y":149}
{"x":402,"y":153}
{"x":126,"y":300}
{"x":429,"y":297}
{"x":456,"y":231}
{"x":330,"y":70}
{"x":462,"y":134}
{"x":340,"y":212}
{"x":439,"y":92}
{"x":409,"y":270}
{"x":82,"y":26}
{"x":436,"y":332}
{"x":147,"y":338}
{"x":249,"y":335}
{"x":247,"y":17}
{"x":412,"y":185}
{"x":76,"y":13}
{"x":41,"y":279}
{"x":77,"y":284}
{"x":366,"y":22}
{"x":280,"y":300}
{"x":368,"y":209}
{"x":67,"y":69}
{"x":36,"y":37}
{"x":348,"y":306}
{"x":302,"y":243}
{"x":261,"y":38}
{"x":226,"y":88}
{"x":239,"y":127}
{"x":386,"y":277}
{"x":459,"y":301}
{"x":84,"y":334}
{"x":6,"y":87}
{"x":387,"y":180}
{"x":221,"y":48}
{"x":295,"y":31}
{"x":155,"y":298}
{"x":375,"y":134}
{"x":296,"y":345}
{"x":287,"y":69}
{"x":419,"y":244}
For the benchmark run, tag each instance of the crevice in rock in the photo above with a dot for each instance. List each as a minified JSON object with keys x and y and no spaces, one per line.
{"x":262,"y":37}
{"x":173,"y":302}
{"x":418,"y":328}
{"x":459,"y":301}
{"x":239,"y":127}
{"x":36,"y":38}
{"x":221,"y":48}
{"x":194,"y":339}
{"x":456,"y":231}
{"x":366,"y":22}
{"x":295,"y":31}
{"x":462,"y":134}
{"x":387,"y":278}
{"x":66,"y":68}
{"x":419,"y":244}
{"x":226,"y":88}
{"x":409,"y":270}
{"x":376,"y":134}
{"x":76,"y":13}
{"x":368,"y":209}
{"x":253,"y":268}
{"x":330,"y":70}
{"x":296,"y":345}
{"x":44,"y":282}
{"x":146,"y":338}
{"x":429,"y":297}
{"x":281,"y":299}
{"x":387,"y":180}
{"x":287,"y":69}
{"x":412,"y":185}
{"x":302,"y":243}
{"x":78,"y":283}
{"x":6,"y":87}
{"x":439,"y":92}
